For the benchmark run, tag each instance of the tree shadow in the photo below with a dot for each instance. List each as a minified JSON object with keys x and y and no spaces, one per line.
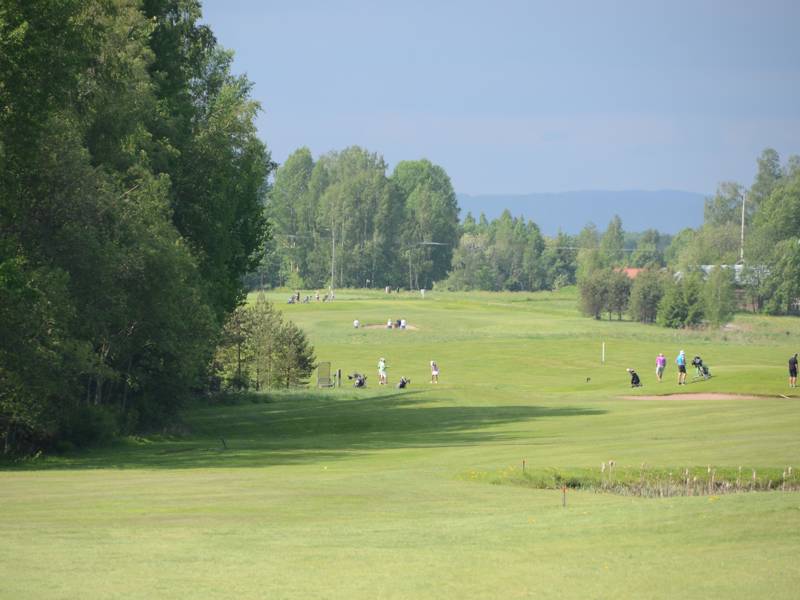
{"x":313,"y":427}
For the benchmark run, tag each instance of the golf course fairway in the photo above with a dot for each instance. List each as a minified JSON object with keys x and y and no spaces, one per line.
{"x":415,"y":493}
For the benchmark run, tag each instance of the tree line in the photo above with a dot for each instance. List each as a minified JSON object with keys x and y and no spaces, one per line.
{"x":344,"y":212}
{"x":708,"y":273}
{"x":342,"y":221}
{"x":131,"y":204}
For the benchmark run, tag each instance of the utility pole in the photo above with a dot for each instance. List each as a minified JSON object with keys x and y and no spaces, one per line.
{"x":333,"y":257}
{"x":741,"y":246}
{"x":410,"y":287}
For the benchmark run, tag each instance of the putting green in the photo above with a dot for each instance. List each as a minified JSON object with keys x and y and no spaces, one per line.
{"x":380,"y":492}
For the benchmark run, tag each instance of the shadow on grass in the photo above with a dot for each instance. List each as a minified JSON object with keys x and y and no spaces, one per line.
{"x":279,"y":429}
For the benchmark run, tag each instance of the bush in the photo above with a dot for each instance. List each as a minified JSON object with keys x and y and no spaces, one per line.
{"x":88,"y":426}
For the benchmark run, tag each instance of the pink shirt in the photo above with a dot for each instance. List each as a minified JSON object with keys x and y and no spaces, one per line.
{"x":661,"y":361}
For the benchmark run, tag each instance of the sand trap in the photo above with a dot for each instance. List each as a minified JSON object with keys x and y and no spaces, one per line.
{"x":706,"y":396}
{"x":383,"y":326}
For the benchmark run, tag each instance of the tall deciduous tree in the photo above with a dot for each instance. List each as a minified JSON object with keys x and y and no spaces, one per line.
{"x":430,"y":229}
{"x":293,"y":209}
{"x":130,"y":192}
{"x":725,"y":207}
{"x":559,"y":261}
{"x":594,"y":292}
{"x":646,"y":293}
{"x":768,"y":175}
{"x":612,"y":244}
{"x":719,"y":299}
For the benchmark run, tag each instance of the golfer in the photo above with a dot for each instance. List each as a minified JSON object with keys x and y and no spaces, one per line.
{"x":382,"y":371}
{"x":793,"y":371}
{"x":661,"y":363}
{"x":681,"y":362}
{"x":434,"y":372}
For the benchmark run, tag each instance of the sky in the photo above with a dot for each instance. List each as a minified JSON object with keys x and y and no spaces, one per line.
{"x":515,"y":97}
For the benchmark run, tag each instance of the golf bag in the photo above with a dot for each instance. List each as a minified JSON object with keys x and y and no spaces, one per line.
{"x":403,"y":383}
{"x":359,"y":380}
{"x":702,"y":370}
{"x":635,"y":381}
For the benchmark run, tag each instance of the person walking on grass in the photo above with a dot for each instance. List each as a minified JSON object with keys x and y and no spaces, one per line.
{"x":793,"y":371}
{"x":661,"y":363}
{"x":434,"y":372}
{"x":382,"y":372}
{"x":681,"y":362}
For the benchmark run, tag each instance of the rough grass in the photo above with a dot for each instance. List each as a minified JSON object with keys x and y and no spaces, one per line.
{"x":370,"y":493}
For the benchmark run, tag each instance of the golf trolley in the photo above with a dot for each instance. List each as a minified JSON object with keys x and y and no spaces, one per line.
{"x":701,"y":370}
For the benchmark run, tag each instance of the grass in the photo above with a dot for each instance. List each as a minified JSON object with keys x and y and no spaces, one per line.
{"x":381,"y":493}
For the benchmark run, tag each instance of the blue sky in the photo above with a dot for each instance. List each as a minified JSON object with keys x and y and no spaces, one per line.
{"x":515,"y":97}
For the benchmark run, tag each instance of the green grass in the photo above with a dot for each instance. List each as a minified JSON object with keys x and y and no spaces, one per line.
{"x":381,"y":493}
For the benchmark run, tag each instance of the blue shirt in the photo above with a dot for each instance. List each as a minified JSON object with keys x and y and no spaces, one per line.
{"x":681,"y":360}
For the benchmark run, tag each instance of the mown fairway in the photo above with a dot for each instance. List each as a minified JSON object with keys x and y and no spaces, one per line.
{"x":382,"y":493}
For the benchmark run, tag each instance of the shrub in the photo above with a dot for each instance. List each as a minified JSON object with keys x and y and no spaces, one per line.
{"x":88,"y":426}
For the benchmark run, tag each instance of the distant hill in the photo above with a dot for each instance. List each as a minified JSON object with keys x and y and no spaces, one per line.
{"x":669,"y":211}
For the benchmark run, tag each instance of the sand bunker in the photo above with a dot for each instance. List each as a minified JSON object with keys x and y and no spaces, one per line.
{"x":707,"y":396}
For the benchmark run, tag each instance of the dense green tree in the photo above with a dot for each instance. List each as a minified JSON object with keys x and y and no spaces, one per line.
{"x":293,"y":209}
{"x":725,"y":207}
{"x":472,"y":267}
{"x":235,"y":354}
{"x":589,"y":258}
{"x":648,"y":251}
{"x":470,"y":225}
{"x":612,"y":244}
{"x":768,"y":176}
{"x":295,"y":360}
{"x":504,"y":254}
{"x":792,"y":168}
{"x":430,"y":229}
{"x":692,"y":287}
{"x":618,"y":293}
{"x":130,"y":208}
{"x":646,"y":293}
{"x":672,"y":308}
{"x":559,"y":261}
{"x":719,"y":299}
{"x":678,"y":245}
{"x":260,"y":349}
{"x":711,"y":244}
{"x":216,"y":162}
{"x":361,"y":213}
{"x":593,"y":291}
{"x":770,"y":247}
{"x":782,"y":288}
